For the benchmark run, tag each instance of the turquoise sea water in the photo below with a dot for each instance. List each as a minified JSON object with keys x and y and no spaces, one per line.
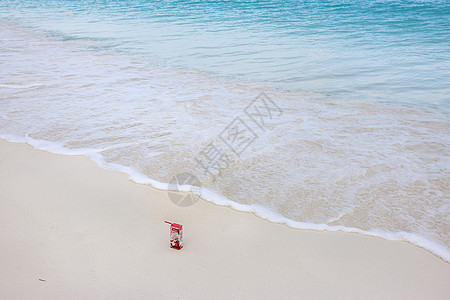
{"x":360,"y":140}
{"x":392,"y":51}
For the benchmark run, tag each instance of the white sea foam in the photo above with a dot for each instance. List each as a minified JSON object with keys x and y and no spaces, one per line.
{"x":320,"y":164}
{"x":13,"y":86}
{"x":214,"y":197}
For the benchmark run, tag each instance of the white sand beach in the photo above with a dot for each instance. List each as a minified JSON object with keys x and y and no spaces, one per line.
{"x":71,"y":230}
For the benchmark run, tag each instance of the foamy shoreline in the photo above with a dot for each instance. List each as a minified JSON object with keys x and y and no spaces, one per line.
{"x":217,"y":199}
{"x":73,"y":230}
{"x":323,"y":164}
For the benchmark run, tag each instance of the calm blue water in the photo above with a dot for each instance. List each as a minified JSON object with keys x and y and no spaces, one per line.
{"x":389,"y":51}
{"x":361,"y":139}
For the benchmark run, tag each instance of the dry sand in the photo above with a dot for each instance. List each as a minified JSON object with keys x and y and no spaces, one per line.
{"x":69,"y":229}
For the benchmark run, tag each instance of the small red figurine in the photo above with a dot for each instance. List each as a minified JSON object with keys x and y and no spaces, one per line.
{"x":176,"y":235}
